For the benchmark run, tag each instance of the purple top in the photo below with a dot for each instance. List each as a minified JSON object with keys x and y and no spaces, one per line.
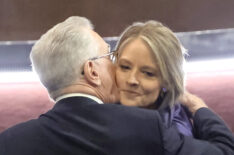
{"x":179,"y":117}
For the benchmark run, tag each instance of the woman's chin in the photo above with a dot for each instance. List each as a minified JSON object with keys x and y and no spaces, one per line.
{"x":128,"y":102}
{"x":134,"y":103}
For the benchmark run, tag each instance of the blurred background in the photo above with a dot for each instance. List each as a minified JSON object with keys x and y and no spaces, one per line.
{"x":28,"y":20}
{"x":204,"y":27}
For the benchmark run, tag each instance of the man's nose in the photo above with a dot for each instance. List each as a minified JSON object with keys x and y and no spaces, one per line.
{"x":132,"y":79}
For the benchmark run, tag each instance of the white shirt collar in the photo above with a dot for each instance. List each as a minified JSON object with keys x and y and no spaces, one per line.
{"x":79,"y":94}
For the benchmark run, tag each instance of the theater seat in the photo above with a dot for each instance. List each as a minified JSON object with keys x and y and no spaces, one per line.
{"x":20,"y":102}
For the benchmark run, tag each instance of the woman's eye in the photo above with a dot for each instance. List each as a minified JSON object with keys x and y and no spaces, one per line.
{"x":149,"y":74}
{"x":124,"y":67}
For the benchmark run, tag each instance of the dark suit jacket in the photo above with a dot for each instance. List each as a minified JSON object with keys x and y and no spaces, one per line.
{"x":212,"y":137}
{"x":80,"y":126}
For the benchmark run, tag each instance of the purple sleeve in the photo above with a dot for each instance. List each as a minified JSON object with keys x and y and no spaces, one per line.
{"x":182,"y":121}
{"x":178,"y":117}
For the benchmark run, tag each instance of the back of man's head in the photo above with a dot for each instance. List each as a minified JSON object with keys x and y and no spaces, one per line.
{"x":58,"y":56}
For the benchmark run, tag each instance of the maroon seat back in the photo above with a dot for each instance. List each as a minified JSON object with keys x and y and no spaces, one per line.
{"x":20,"y":102}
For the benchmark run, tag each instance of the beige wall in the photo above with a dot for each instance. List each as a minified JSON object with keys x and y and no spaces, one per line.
{"x":28,"y":19}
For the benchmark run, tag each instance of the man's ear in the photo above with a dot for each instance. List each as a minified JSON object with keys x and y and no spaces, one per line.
{"x":91,"y":73}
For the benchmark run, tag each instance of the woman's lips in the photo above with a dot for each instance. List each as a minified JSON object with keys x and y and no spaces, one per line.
{"x":131,"y":93}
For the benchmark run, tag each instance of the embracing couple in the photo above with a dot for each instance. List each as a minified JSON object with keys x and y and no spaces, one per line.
{"x":131,"y":101}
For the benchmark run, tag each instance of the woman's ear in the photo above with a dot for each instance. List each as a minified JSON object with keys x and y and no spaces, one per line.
{"x":91,"y":73}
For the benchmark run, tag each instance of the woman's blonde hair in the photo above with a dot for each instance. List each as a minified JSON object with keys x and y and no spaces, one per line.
{"x":169,"y":55}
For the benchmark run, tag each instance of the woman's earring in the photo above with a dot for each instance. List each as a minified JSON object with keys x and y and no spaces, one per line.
{"x":163,"y":91}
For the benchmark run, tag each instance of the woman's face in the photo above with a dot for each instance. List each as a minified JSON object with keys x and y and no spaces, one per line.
{"x":137,"y":75}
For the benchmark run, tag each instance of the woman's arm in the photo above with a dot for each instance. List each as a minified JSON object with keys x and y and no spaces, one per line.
{"x":211,"y":133}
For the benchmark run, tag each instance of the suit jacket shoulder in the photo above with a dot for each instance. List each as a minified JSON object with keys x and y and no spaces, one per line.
{"x":213,"y":137}
{"x":79,"y":125}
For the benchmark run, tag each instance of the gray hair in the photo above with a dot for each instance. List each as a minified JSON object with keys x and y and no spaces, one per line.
{"x":59,"y":55}
{"x":168,"y":51}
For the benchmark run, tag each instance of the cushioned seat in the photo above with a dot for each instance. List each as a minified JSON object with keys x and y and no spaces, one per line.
{"x":23,"y":101}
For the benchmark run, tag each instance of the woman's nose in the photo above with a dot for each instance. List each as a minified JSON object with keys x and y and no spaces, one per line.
{"x":132,"y":79}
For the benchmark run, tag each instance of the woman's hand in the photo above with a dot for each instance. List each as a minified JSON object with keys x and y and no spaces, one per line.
{"x":192,"y":102}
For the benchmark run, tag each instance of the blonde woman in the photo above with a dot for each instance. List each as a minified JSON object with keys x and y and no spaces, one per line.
{"x":150,"y":73}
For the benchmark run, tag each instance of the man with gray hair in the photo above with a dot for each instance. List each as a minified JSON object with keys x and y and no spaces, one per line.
{"x":60,"y":59}
{"x":74,"y":63}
